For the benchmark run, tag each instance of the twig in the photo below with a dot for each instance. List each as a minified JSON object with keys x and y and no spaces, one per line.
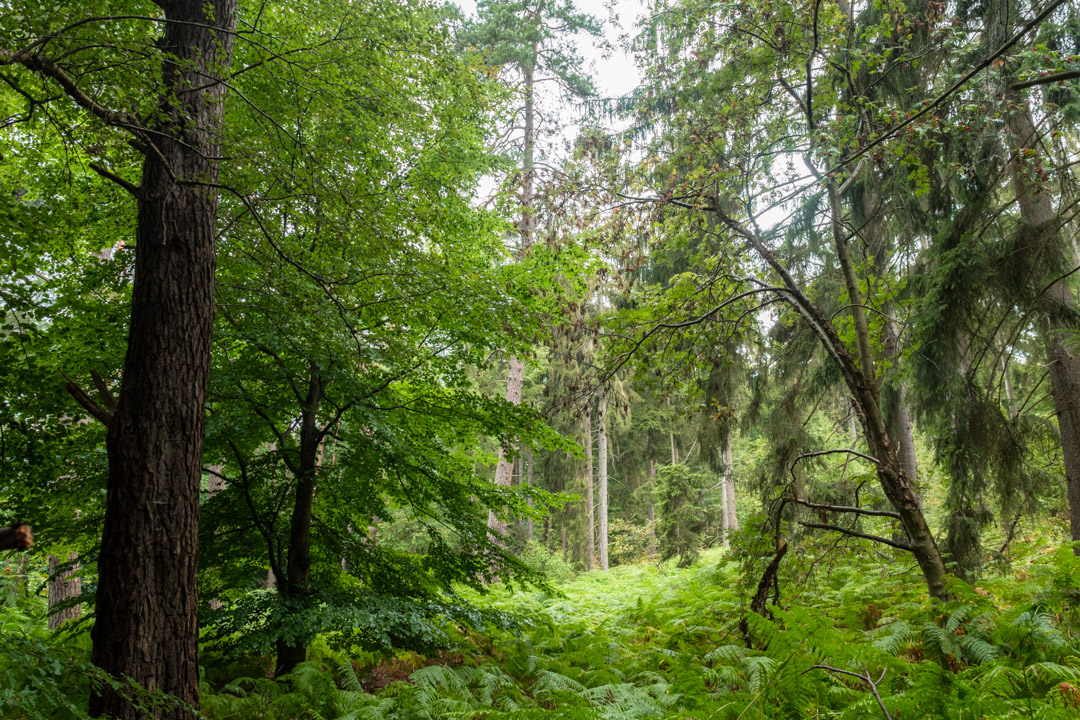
{"x":865,"y":678}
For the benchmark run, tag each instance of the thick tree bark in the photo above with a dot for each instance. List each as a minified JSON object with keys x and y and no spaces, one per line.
{"x":294,"y":586}
{"x":62,"y":588}
{"x":601,"y":461}
{"x":590,"y":528}
{"x":146,"y":625}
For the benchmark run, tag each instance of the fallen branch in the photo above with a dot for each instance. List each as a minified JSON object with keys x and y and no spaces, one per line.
{"x":768,"y":581}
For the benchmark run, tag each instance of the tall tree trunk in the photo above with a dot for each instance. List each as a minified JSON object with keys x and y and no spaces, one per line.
{"x":650,"y":508}
{"x":294,"y":586}
{"x":601,"y":461}
{"x":1042,"y":237}
{"x":516,"y":375}
{"x":590,"y":529}
{"x":727,"y":487}
{"x":146,"y":625}
{"x":530,"y":525}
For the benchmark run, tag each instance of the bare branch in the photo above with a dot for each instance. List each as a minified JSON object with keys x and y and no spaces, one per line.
{"x":846,"y":509}
{"x":855,"y":533}
{"x":865,"y":678}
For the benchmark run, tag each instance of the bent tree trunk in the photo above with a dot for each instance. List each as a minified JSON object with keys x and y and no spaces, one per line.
{"x":146,"y":626}
{"x":294,"y":586}
{"x":894,"y":482}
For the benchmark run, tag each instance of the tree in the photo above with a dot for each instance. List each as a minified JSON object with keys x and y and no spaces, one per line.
{"x":352,"y":323}
{"x":146,"y":626}
{"x":528,"y":37}
{"x":708,"y":158}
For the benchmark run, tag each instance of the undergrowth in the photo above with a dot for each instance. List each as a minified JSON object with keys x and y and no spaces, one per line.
{"x":643,"y":641}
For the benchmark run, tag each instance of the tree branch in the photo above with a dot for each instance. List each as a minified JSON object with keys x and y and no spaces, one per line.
{"x":855,"y":533}
{"x":846,"y":509}
{"x":99,"y":413}
{"x":865,"y":678}
{"x":1046,"y":79}
{"x":109,"y":175}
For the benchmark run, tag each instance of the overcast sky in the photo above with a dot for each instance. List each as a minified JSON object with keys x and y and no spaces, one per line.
{"x":617,"y":74}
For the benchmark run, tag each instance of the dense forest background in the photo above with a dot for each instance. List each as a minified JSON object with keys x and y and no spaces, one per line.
{"x":364,"y":359}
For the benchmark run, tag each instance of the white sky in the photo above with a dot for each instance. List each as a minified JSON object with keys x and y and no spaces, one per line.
{"x":615,"y":75}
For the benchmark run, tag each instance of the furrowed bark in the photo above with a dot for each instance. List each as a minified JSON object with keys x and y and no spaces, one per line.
{"x":146,"y":625}
{"x":516,"y":375}
{"x":1056,"y":303}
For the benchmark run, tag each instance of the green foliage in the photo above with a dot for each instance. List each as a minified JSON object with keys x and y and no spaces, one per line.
{"x":678,"y":493}
{"x":643,"y":642}
{"x":628,"y":541}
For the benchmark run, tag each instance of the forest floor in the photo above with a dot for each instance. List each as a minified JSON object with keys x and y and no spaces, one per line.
{"x":652,"y":641}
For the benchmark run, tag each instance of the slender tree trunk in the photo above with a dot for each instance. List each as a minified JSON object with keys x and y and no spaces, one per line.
{"x":146,"y":625}
{"x":294,"y":587}
{"x":730,"y":521}
{"x":851,"y":283}
{"x":1010,"y":395}
{"x":894,"y":482}
{"x":515,"y":377}
{"x":601,"y":459}
{"x":590,"y":529}
{"x":214,"y":485}
{"x":530,"y":525}
{"x":650,"y":508}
